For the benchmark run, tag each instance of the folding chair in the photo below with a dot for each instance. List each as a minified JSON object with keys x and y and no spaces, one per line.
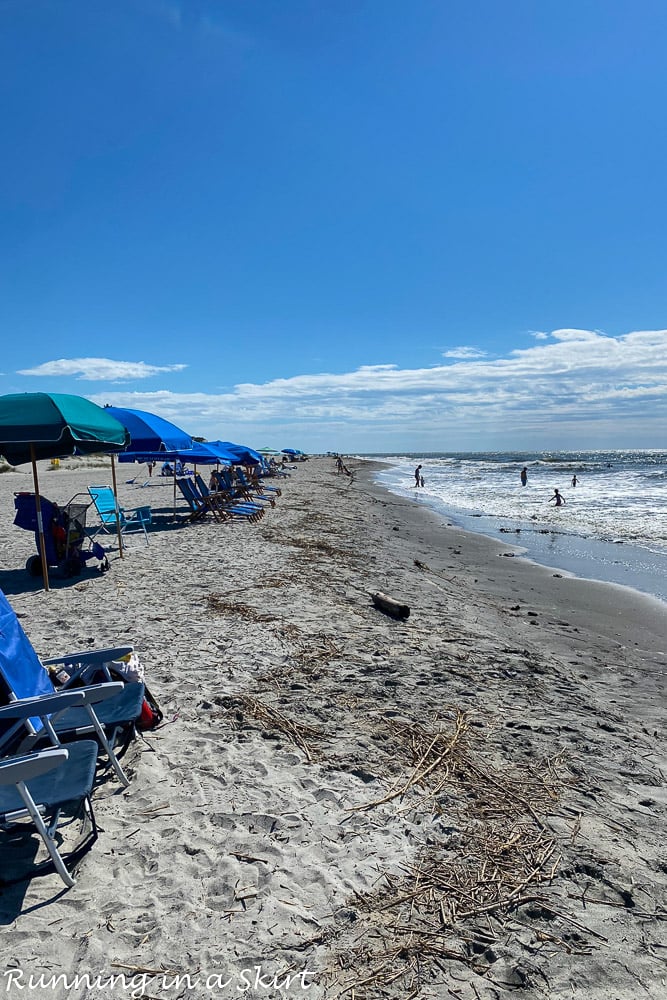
{"x":44,"y":786}
{"x":23,"y":676}
{"x":111,"y":514}
{"x":224,"y":502}
{"x":199,"y":505}
{"x":239,"y":490}
{"x":235,"y":501}
{"x":256,"y":483}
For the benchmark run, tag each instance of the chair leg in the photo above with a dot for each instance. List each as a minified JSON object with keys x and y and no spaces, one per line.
{"x":49,"y":842}
{"x":102,"y":736}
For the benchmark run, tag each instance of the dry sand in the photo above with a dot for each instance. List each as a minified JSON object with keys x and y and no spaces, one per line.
{"x":464,"y":803}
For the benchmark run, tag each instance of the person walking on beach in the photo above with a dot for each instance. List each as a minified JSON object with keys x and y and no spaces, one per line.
{"x":418,"y":476}
{"x":560,"y":500}
{"x":339,"y":465}
{"x":524,"y":476}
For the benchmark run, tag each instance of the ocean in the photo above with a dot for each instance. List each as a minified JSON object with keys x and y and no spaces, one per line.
{"x":612,"y":526}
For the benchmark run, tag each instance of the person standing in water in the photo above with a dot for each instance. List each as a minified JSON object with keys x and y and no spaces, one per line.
{"x":418,"y":476}
{"x":524,"y":476}
{"x":574,"y":480}
{"x":560,"y":500}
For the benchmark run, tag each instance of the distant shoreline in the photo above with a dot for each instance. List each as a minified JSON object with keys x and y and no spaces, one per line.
{"x":625,"y":564}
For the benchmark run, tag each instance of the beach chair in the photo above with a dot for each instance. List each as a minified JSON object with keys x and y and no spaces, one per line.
{"x":232,"y":505}
{"x":257,"y":488}
{"x":229,"y":482}
{"x":106,"y":712}
{"x":238,"y":494}
{"x":199,"y":506}
{"x":212,"y":498}
{"x":256,"y":483}
{"x":38,"y":790}
{"x":111,"y":514}
{"x":277,"y":470}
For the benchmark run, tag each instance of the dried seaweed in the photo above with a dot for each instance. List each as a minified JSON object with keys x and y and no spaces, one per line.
{"x":219,"y":605}
{"x":429,"y":753}
{"x":490,"y":853}
{"x":313,"y":650}
{"x":298,"y":733}
{"x":313,"y":545}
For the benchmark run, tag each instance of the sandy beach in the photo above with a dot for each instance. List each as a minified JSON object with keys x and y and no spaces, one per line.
{"x":343,"y":804}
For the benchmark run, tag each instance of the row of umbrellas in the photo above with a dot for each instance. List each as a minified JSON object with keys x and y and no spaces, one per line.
{"x":42,"y":425}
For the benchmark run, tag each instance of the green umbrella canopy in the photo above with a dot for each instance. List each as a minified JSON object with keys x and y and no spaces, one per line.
{"x":49,"y":425}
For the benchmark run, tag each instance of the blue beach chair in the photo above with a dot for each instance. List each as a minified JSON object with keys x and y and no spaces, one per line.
{"x":233,"y":505}
{"x":257,"y":483}
{"x":235,"y":493}
{"x":199,"y":506}
{"x":111,"y":514}
{"x":105,"y":712}
{"x":48,"y":789}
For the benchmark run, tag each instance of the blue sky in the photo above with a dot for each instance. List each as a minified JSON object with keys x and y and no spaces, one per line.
{"x":357,"y":225}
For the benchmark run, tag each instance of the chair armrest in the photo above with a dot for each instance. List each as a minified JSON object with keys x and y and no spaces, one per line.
{"x":95,"y":693}
{"x":31,"y":765}
{"x":142,"y":514}
{"x":43,"y":704}
{"x":91,"y":657}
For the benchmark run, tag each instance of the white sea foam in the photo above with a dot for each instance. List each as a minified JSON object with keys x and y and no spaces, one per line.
{"x":619,"y":497}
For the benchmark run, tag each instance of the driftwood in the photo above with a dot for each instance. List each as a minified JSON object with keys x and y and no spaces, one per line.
{"x":390,"y":607}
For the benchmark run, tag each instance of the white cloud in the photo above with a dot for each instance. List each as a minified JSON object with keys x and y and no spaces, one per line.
{"x":464,"y":353}
{"x":100,"y":369}
{"x":580,"y":384}
{"x":576,"y":335}
{"x":377,"y":368}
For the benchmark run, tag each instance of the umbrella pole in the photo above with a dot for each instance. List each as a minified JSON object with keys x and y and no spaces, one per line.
{"x":40,"y":523}
{"x":115,"y":496}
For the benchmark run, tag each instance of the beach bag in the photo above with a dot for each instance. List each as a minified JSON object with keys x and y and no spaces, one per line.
{"x":131,"y":670}
{"x":151,"y":713}
{"x":128,"y":669}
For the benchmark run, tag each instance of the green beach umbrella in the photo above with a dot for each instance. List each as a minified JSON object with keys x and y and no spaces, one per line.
{"x":44,"y":425}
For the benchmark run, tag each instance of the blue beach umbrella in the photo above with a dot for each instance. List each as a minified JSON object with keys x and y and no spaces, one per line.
{"x":242,"y":454}
{"x":152,"y":438}
{"x":150,"y":433}
{"x":201,"y":453}
{"x":209,"y":453}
